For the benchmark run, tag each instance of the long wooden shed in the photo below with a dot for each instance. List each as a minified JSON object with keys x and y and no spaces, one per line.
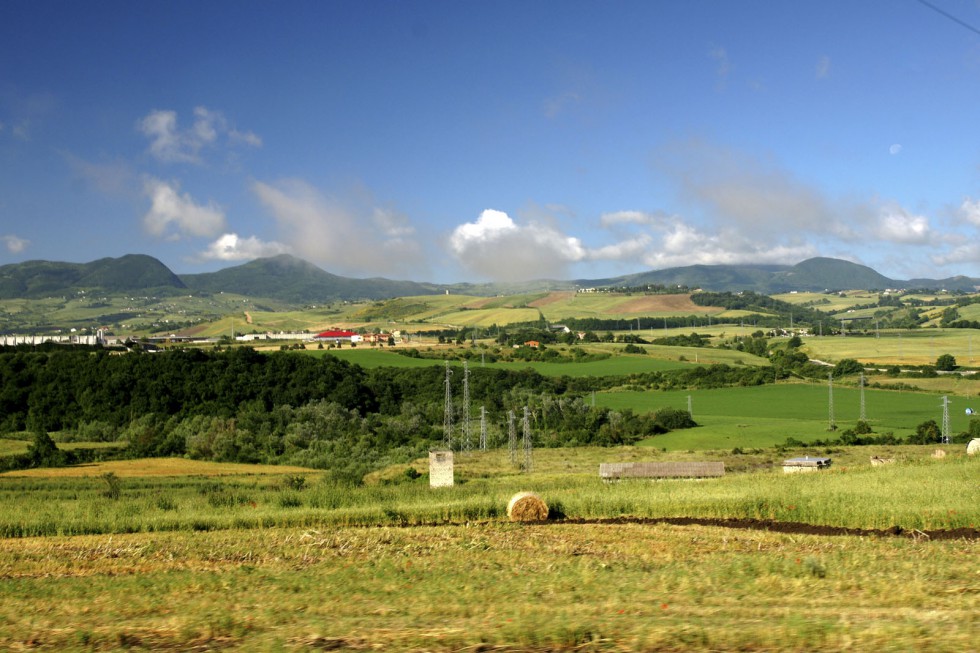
{"x":616,"y":471}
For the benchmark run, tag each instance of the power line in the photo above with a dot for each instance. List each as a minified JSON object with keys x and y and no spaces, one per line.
{"x":950,"y":16}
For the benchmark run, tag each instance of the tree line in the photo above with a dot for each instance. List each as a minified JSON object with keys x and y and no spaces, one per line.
{"x":244,"y":406}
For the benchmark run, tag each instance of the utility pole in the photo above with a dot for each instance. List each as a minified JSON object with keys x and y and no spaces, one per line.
{"x":945,"y":434}
{"x":467,"y":444}
{"x":447,"y":412}
{"x":832,"y":426}
{"x":528,"y":464}
{"x":483,"y":428}
{"x":862,"y":417}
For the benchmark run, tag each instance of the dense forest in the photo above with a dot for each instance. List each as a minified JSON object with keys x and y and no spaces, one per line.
{"x":242,"y":405}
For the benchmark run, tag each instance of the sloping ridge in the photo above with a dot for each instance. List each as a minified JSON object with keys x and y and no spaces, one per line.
{"x":289,"y":278}
{"x":129,"y":273}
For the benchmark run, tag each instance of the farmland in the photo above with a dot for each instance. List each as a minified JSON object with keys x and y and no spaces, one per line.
{"x":269,"y":562}
{"x":171,"y":553}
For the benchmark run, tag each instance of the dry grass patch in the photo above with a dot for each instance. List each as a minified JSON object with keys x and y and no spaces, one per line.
{"x":158,"y":467}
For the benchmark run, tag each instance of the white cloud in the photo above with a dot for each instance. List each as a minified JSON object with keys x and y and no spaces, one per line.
{"x":823,"y":67}
{"x":358,"y":239}
{"x":895,"y":148}
{"x":172,"y":144}
{"x":497,"y":248}
{"x":681,"y":244}
{"x":897,"y":225}
{"x":230,"y":247}
{"x":628,"y":217}
{"x":173,"y":215}
{"x":13,"y":244}
{"x":970,"y":211}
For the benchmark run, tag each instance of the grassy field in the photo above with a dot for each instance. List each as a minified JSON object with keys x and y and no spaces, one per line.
{"x":657,"y":358}
{"x":909,"y":347}
{"x":763,"y":416}
{"x":195,"y":562}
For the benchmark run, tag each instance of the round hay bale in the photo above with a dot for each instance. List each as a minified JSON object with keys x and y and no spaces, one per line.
{"x":973,"y":448}
{"x":527,"y":506}
{"x":939,"y":453}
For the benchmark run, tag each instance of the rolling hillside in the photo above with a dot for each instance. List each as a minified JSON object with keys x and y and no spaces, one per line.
{"x":289,"y":279}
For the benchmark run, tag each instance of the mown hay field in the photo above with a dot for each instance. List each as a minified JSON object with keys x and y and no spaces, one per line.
{"x":443,"y":570}
{"x":907,"y":347}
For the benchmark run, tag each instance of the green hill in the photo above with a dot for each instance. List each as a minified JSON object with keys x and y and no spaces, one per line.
{"x":288,"y":278}
{"x":130,"y":273}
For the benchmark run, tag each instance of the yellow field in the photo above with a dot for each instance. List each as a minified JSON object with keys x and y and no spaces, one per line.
{"x":158,"y":467}
{"x":829,"y":302}
{"x":915,"y":347}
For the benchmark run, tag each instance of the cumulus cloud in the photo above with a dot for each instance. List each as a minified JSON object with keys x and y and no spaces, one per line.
{"x":897,"y":225}
{"x":353,"y":238}
{"x":231,"y":247}
{"x":496,"y":247}
{"x":171,"y":143}
{"x":970,"y":211}
{"x":895,"y":148}
{"x":13,"y":244}
{"x":173,"y":215}
{"x":740,"y":209}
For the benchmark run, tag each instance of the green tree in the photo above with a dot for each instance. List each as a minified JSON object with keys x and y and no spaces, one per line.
{"x":946,"y":363}
{"x":847,"y":366}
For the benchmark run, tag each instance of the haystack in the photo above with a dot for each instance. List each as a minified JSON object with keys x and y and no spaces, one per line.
{"x":974,"y":447}
{"x":527,"y":506}
{"x":939,"y":453}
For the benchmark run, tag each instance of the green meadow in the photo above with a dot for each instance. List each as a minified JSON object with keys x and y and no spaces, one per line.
{"x":764,"y":416}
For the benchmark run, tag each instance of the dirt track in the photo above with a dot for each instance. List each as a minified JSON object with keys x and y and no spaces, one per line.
{"x":788,"y":527}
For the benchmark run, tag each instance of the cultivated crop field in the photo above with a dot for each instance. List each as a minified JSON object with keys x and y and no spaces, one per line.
{"x":907,"y":347}
{"x":274,"y":563}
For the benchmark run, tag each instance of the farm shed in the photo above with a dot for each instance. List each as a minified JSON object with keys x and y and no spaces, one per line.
{"x":805,"y":464}
{"x":441,"y":468}
{"x":616,"y":471}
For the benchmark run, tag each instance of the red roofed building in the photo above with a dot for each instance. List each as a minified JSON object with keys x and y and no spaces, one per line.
{"x":338,"y":336}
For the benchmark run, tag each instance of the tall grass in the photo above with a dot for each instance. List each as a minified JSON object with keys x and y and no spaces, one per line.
{"x":922,"y":495}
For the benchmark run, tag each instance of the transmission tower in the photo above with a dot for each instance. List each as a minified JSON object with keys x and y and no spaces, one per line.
{"x":830,"y":404}
{"x":512,"y":436}
{"x":945,"y":434}
{"x":447,"y":414}
{"x":467,"y":443}
{"x":483,"y":428}
{"x":528,"y":464}
{"x":862,"y":417}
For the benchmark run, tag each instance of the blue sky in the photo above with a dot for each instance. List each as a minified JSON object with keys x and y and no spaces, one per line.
{"x":452,"y":141}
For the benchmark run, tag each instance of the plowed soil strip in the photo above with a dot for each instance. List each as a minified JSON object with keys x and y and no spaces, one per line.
{"x":965,"y":533}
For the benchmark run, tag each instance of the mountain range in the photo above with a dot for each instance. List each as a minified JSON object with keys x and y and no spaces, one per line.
{"x":291,"y":279}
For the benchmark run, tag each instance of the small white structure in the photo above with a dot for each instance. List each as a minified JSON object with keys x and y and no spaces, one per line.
{"x":440,"y":468}
{"x":805,"y":464}
{"x":973,"y":449}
